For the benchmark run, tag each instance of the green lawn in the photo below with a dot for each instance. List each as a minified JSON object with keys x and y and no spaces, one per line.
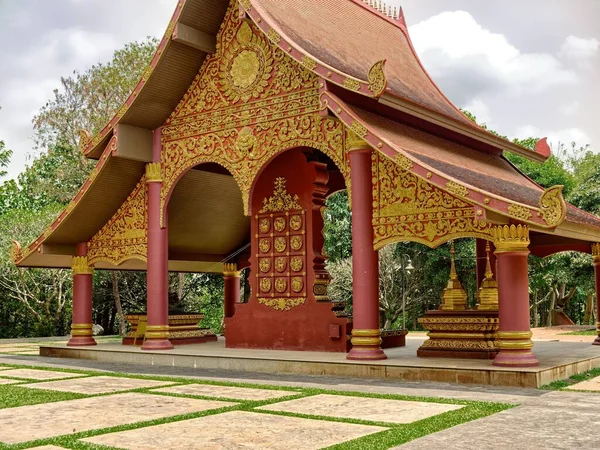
{"x":590,"y":332}
{"x":396,"y":434}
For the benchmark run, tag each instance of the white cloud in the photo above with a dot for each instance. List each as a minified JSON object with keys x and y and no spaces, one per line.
{"x":570,"y":109}
{"x":579,"y":48}
{"x":555,"y":137}
{"x":454,"y":45}
{"x":479,"y":109}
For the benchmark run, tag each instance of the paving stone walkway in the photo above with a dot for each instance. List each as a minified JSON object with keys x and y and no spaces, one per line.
{"x":544,"y":419}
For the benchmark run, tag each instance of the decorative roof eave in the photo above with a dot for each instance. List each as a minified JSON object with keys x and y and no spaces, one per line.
{"x":374,"y":87}
{"x":19,"y":255}
{"x":550,"y":214}
{"x":88,"y":145}
{"x":541,"y":152}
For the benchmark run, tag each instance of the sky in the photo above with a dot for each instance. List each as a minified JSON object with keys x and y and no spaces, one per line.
{"x":525,"y":68}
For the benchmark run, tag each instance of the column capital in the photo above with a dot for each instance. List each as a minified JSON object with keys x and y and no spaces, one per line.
{"x":80,"y":266}
{"x":596,"y":252}
{"x":355,"y":142}
{"x":153,"y":172}
{"x":230,"y":270}
{"x":511,"y":238}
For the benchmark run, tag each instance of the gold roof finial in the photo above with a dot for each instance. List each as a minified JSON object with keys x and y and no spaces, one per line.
{"x":487,"y":295}
{"x":454,"y":297}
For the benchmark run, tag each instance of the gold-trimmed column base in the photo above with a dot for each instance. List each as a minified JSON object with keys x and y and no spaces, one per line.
{"x":81,"y":334}
{"x":597,"y":340}
{"x":515,"y":349}
{"x":157,"y":338}
{"x":366,"y":344}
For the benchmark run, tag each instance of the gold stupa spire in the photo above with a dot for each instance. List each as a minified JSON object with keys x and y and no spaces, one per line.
{"x":454,"y":297}
{"x":487,"y":295}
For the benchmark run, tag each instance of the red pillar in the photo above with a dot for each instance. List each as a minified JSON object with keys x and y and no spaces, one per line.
{"x":514,"y":336}
{"x":81,"y":327}
{"x":231,"y":280}
{"x":157,"y":330}
{"x":596,"y":256}
{"x":366,"y":333}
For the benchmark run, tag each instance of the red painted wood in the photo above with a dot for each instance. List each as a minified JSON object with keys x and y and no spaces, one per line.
{"x":82,"y":302}
{"x":232,"y":295}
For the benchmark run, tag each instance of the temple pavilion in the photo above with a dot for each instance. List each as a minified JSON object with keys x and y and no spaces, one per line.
{"x":248,"y":117}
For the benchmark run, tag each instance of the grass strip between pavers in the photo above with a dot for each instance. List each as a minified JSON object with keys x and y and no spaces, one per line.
{"x":573,"y":379}
{"x":395,"y":434}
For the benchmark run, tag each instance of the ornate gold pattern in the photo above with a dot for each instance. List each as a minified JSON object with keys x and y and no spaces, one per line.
{"x":377,"y":78}
{"x":358,"y":128}
{"x":125,"y":235}
{"x":80,"y":266}
{"x":282,"y":304}
{"x":519,"y":211}
{"x":273,"y":36}
{"x":153,"y":173}
{"x":264,"y":225}
{"x":404,"y":162}
{"x":352,"y":84}
{"x":280,"y":285}
{"x":280,"y":244}
{"x":296,"y":222}
{"x":246,"y":4}
{"x":296,"y":264}
{"x":457,"y":189}
{"x":281,"y":200}
{"x":595,"y":252}
{"x":308,"y":62}
{"x":280,"y":263}
{"x":408,"y":208}
{"x":264,"y":245}
{"x":296,"y":243}
{"x":84,"y":140}
{"x":354,"y":142}
{"x":510,"y":238}
{"x":279,"y":224}
{"x":15,"y":252}
{"x":552,"y":206}
{"x":230,"y":270}
{"x":265,"y":284}
{"x":281,"y":112}
{"x":297,"y":284}
{"x":264,"y":265}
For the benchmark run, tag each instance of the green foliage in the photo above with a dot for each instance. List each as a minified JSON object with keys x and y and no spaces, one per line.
{"x":338,"y":226}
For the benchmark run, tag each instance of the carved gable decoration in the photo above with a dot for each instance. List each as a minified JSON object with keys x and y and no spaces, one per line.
{"x":249,"y":102}
{"x":125,"y":235}
{"x":407,"y":208}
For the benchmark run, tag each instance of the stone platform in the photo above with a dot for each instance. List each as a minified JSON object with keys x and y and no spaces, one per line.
{"x":558,"y":360}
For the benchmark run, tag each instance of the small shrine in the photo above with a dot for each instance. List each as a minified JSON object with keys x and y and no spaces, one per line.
{"x":249,"y":116}
{"x":455,"y":331}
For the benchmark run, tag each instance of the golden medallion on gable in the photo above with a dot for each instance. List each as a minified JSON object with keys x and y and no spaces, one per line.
{"x":247,"y":65}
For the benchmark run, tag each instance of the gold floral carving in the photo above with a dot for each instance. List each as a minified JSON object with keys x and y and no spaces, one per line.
{"x":84,"y":140}
{"x":457,"y":189}
{"x":282,"y":304}
{"x":296,"y":222}
{"x":408,"y":208}
{"x":552,"y":206}
{"x":297,"y":284}
{"x":377,"y":78}
{"x":241,"y":116}
{"x":519,"y":211}
{"x":264,"y":245}
{"x":280,"y":285}
{"x":125,"y":235}
{"x":246,"y":4}
{"x":280,"y":264}
{"x":308,"y":62}
{"x":358,"y":128}
{"x":296,"y":264}
{"x":281,"y":200}
{"x":280,"y":244}
{"x":264,"y":225}
{"x":279,"y":224}
{"x":273,"y":36}
{"x":508,"y":238}
{"x":352,"y":84}
{"x":403,"y":162}
{"x":354,"y":142}
{"x":296,"y":243}
{"x":81,"y":266}
{"x":265,"y":284}
{"x":595,"y":252}
{"x":264,"y":265}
